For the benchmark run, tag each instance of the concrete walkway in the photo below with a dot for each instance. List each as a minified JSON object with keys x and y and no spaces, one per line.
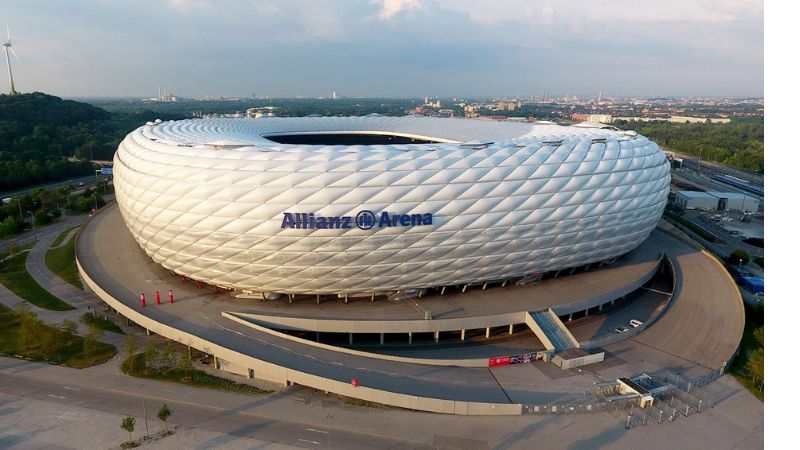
{"x":45,"y":406}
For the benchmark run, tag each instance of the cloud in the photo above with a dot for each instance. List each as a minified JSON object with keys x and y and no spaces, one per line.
{"x":390,"y":8}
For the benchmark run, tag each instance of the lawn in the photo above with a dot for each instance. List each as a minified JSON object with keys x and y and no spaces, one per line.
{"x":100,"y":323}
{"x":61,"y":260}
{"x":16,"y":278}
{"x":137,"y":367}
{"x":48,"y":343}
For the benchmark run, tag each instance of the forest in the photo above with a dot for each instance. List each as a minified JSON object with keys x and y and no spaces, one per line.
{"x":739,"y":143}
{"x":44,"y":138}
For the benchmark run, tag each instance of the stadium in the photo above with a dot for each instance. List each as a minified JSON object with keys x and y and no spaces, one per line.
{"x":384,"y":205}
{"x":489,"y":244}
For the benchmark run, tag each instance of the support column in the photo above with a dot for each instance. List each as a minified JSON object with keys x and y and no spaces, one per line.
{"x":318,"y":299}
{"x":317,"y":336}
{"x":216,"y":363}
{"x":381,"y":338}
{"x":488,"y":330}
{"x":372,"y":299}
{"x":586,"y":313}
{"x":345,"y":298}
{"x":436,"y":337}
{"x":464,"y":289}
{"x":600,"y":308}
{"x":409,"y":338}
{"x":612,"y":302}
{"x":484,"y":285}
{"x":291,"y":297}
{"x":463,"y":334}
{"x":148,"y":331}
{"x":250,"y":374}
{"x":350,"y":338}
{"x":443,"y":288}
{"x":570,"y":318}
{"x":511,"y":329}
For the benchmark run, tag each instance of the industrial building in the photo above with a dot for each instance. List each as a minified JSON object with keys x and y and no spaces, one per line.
{"x":716,"y":201}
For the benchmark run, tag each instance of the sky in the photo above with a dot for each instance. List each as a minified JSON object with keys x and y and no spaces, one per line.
{"x":387,"y":48}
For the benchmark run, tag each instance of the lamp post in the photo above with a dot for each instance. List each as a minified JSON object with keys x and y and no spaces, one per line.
{"x":144,"y":411}
{"x":740,"y":262}
{"x":33,"y":224}
{"x":329,"y":417}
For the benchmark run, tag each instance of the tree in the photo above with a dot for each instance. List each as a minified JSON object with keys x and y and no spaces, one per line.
{"x":739,"y":256}
{"x":759,"y":335}
{"x":131,"y":343}
{"x":186,"y":359}
{"x":69,"y":327}
{"x":755,"y":366}
{"x":128,"y":424}
{"x":90,"y":341}
{"x":163,"y":415}
{"x":150,"y":354}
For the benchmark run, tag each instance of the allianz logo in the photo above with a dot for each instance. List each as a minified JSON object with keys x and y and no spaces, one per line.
{"x":365,"y":220}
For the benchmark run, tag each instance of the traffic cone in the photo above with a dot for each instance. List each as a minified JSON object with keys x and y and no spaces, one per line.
{"x":171,"y":300}
{"x":158,"y":298}
{"x":144,"y":303}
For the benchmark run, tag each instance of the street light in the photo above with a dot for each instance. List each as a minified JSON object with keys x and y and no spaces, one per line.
{"x":740,"y":262}
{"x":144,"y":411}
{"x":33,"y":223}
{"x":329,"y":417}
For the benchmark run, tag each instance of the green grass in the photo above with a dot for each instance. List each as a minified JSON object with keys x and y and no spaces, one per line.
{"x":101,"y":324}
{"x":137,"y":367}
{"x":51,"y":345}
{"x":16,"y":278}
{"x":61,"y":237}
{"x":61,"y":261}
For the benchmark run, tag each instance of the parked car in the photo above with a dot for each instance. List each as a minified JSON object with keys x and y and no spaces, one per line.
{"x":636,"y":323}
{"x":619,"y":330}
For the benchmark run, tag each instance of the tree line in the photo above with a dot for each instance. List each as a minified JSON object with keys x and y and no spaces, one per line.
{"x":739,"y":143}
{"x":44,"y":138}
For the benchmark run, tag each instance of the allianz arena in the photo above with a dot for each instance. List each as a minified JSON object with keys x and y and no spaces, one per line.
{"x":351,"y":205}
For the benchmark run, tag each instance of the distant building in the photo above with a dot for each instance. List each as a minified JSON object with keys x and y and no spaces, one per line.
{"x":677,"y":119}
{"x":716,"y":201}
{"x":264,"y":111}
{"x":598,"y":118}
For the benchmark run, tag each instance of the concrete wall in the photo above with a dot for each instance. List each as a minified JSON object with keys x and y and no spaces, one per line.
{"x":273,"y":373}
{"x":386,"y":326}
{"x":563,"y":310}
{"x":631,"y":332}
{"x":578,"y":362}
{"x":480,"y":362}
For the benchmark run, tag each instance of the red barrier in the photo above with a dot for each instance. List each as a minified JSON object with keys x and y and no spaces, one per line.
{"x":171,"y":299}
{"x":144,"y":303}
{"x":354,"y":382}
{"x":158,"y":298}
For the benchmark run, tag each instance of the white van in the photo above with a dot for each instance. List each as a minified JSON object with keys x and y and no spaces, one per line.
{"x":636,"y":323}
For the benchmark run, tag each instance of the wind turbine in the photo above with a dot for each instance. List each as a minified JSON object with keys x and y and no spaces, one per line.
{"x":7,"y":47}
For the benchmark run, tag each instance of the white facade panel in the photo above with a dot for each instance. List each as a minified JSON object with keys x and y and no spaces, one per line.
{"x":215,"y":201}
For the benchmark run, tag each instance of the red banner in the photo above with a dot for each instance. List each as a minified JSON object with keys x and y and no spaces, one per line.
{"x":499,"y":361}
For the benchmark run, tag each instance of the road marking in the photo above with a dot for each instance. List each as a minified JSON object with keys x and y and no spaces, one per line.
{"x":317,"y":431}
{"x":69,"y":388}
{"x":57,"y":396}
{"x":310,"y":442}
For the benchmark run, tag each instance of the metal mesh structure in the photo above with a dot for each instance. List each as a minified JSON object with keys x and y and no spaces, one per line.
{"x":217,"y":201}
